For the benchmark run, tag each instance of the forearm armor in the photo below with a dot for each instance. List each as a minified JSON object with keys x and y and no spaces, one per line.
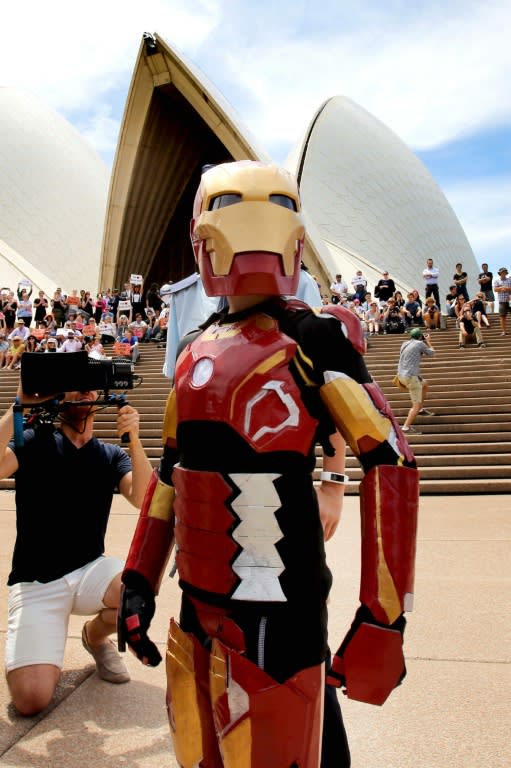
{"x":153,"y":540}
{"x":370,"y":661}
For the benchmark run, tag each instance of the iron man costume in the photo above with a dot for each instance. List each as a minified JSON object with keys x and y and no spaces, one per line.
{"x":254,"y":393}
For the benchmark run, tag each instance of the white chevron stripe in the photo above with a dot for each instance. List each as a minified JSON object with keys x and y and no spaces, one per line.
{"x":258,"y":564}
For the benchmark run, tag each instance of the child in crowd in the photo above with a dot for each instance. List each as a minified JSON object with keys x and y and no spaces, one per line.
{"x":431,"y":314}
{"x":372,"y":318}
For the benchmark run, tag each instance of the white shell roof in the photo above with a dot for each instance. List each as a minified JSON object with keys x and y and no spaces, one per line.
{"x":53,"y":191}
{"x":374,"y":203}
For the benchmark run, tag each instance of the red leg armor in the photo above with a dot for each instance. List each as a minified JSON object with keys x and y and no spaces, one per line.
{"x":258,"y":722}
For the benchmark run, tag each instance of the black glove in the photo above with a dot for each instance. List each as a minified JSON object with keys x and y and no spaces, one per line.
{"x":136,"y":609}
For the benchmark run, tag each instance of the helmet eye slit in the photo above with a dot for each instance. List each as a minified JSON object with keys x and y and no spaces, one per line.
{"x":222,"y":201}
{"x":284,"y":201}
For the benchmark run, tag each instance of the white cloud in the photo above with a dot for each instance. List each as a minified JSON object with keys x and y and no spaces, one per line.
{"x":483,"y":207}
{"x":72,"y":55}
{"x":431,"y":76}
{"x":431,"y":72}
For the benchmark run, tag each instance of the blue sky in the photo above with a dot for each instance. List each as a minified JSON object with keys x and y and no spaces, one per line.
{"x":436,"y":73}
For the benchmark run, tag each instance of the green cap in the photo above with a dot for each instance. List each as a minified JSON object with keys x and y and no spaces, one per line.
{"x":416,"y":333}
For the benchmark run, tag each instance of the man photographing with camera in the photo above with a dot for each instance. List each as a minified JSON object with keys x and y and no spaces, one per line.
{"x":65,"y":479}
{"x":408,"y":373}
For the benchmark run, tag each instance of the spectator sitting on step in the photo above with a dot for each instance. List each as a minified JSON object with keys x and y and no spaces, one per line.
{"x":163,"y":321}
{"x":359,"y":285}
{"x":107,"y":329}
{"x":478,"y":305}
{"x":94,"y":348}
{"x":450,"y":301}
{"x":4,"y":348}
{"x":431,"y":314}
{"x":412,"y":311}
{"x":153,"y":326}
{"x":122,"y":326}
{"x":20,"y":330}
{"x":31,"y":344}
{"x":469,"y":330}
{"x":71,"y":344}
{"x":393,"y":319}
{"x":399,"y":300}
{"x":338,"y":289}
{"x":130,"y":338}
{"x":372,"y":318}
{"x":458,"y":308}
{"x":416,"y":296}
{"x":13,"y":356}
{"x":138,"y":326}
{"x":366,"y":303}
{"x":52,"y":344}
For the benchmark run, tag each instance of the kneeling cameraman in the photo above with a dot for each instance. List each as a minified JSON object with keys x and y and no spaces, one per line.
{"x":65,"y":479}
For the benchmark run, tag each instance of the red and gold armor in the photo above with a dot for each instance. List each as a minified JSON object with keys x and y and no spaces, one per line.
{"x":254,"y":393}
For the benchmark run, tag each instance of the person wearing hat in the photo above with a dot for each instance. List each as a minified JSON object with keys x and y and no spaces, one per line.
{"x":20,"y":330}
{"x":431,"y":314}
{"x":502,"y":287}
{"x":51,"y":344}
{"x":408,"y":373}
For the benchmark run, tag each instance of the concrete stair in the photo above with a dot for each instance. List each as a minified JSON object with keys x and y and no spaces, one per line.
{"x":464,"y":448}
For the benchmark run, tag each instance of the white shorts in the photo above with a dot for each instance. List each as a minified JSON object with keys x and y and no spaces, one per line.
{"x":39,"y":613}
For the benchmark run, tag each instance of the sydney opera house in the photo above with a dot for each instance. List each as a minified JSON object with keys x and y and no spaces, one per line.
{"x":53,"y":193}
{"x":369,"y":202}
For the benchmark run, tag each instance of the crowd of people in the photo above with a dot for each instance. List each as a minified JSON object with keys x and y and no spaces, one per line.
{"x":386,"y":310}
{"x":116,"y":322}
{"x":113,"y":324}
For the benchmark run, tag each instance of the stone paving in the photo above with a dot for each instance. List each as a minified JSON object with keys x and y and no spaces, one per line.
{"x":451,"y":711}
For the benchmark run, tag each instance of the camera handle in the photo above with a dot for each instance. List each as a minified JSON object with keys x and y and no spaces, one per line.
{"x":118,"y":400}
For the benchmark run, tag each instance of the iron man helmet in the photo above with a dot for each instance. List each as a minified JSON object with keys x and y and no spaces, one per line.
{"x":247,"y":230}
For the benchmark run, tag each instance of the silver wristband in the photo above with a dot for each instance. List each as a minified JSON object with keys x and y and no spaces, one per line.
{"x":334,"y":477}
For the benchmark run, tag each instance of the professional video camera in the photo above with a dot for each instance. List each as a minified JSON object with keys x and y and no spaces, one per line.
{"x":50,"y":376}
{"x":44,"y":375}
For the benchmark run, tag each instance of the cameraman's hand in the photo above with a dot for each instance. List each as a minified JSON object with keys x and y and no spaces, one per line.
{"x":128,"y":422}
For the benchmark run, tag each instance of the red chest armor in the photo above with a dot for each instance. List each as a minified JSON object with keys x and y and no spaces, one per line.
{"x":238,"y":374}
